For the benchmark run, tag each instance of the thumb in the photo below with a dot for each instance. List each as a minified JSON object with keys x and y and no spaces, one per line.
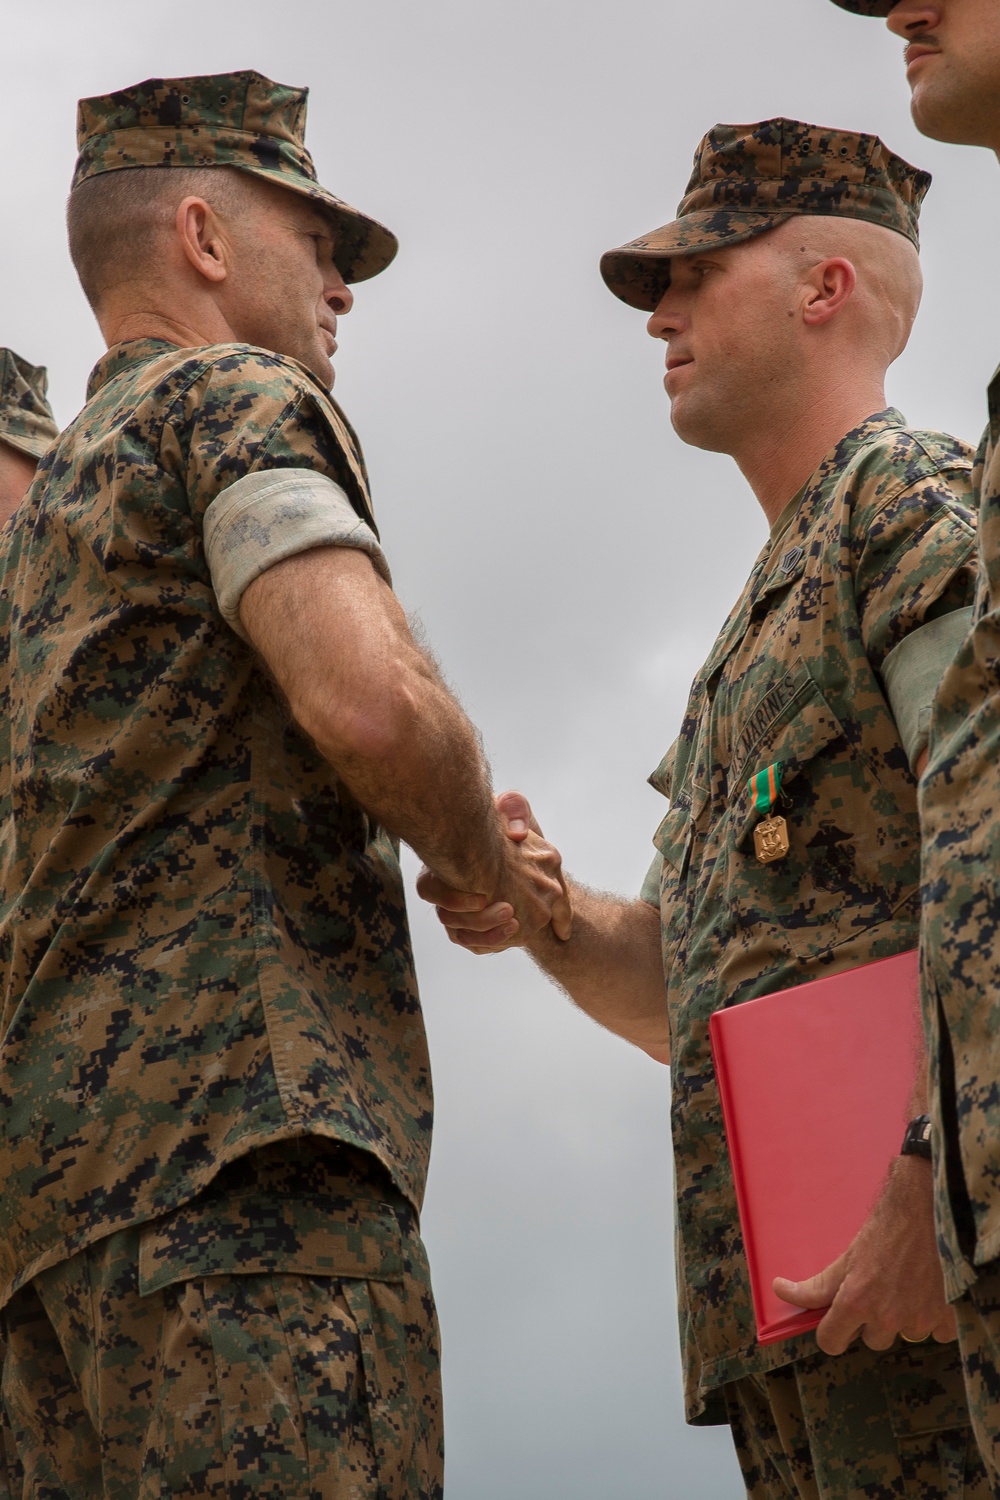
{"x":562,"y":919}
{"x":816,"y":1291}
{"x":516,"y":815}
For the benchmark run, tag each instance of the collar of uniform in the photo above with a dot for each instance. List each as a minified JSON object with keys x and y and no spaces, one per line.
{"x":786,"y":517}
{"x":830,"y":467}
{"x":784,"y":556}
{"x":784,"y":553}
{"x":122,"y":357}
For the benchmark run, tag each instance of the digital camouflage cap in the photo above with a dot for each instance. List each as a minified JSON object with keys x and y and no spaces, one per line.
{"x":751,"y":178}
{"x":867,"y":7}
{"x":241,"y":120}
{"x":26,"y":420}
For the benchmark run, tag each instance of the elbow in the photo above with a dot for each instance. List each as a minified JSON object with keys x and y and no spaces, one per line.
{"x":371,"y":725}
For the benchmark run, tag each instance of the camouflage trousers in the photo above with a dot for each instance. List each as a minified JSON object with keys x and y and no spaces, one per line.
{"x":254,"y":1345}
{"x":864,"y":1424}
{"x":978,"y":1314}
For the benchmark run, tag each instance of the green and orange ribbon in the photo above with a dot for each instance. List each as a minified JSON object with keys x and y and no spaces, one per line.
{"x":765,"y":786}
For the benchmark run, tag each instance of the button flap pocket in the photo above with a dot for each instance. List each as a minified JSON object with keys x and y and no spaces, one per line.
{"x":250,"y":1234}
{"x":790,"y":726}
{"x":673,"y":837}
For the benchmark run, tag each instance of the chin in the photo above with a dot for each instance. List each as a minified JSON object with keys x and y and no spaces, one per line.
{"x":321,"y":367}
{"x":696,"y":433}
{"x":943,"y":117}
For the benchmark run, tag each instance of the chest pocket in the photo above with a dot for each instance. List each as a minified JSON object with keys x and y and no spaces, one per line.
{"x":675,"y":839}
{"x":853,"y":857}
{"x":675,"y":835}
{"x":792,"y":725}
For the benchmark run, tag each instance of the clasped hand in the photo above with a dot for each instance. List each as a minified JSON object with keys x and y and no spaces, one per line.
{"x":532,"y":896}
{"x":889,"y":1280}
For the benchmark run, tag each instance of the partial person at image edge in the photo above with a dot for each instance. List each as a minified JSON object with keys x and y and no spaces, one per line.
{"x":783,"y":290}
{"x":215,"y":1099}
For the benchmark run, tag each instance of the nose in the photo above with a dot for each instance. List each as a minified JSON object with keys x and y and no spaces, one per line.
{"x":665,"y":318}
{"x":338,"y":294}
{"x":910,"y":16}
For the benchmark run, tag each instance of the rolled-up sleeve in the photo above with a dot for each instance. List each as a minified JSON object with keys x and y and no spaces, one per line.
{"x":271,"y":515}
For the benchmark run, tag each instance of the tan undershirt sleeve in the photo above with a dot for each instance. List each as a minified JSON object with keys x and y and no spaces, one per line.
{"x":913,"y":671}
{"x":651,"y":885}
{"x":268,"y":516}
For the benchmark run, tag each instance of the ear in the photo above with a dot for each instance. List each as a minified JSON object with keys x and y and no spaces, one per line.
{"x":201,"y":239}
{"x":828,"y":288}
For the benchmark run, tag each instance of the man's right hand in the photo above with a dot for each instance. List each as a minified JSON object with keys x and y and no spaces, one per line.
{"x":612,"y":968}
{"x":531,"y":892}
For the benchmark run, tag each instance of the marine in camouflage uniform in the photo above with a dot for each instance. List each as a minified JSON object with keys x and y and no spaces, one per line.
{"x":215,"y":1099}
{"x":27,"y":426}
{"x":960,"y":814}
{"x":825,"y":668}
{"x":26,"y":420}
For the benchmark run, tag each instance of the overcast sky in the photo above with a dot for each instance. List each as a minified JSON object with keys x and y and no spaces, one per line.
{"x":571,"y":562}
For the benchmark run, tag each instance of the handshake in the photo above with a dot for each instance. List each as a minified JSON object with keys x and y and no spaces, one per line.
{"x":530,"y":900}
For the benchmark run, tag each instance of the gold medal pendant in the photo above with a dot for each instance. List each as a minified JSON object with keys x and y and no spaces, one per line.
{"x":770,"y":839}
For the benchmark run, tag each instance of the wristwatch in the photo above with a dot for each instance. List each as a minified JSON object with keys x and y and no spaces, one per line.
{"x":917,"y":1140}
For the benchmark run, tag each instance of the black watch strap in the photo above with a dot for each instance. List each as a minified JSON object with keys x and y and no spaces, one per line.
{"x":917,"y":1140}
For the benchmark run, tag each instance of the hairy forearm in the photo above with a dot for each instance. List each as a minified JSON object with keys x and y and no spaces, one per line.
{"x":428,"y":784}
{"x":612,"y":967}
{"x":374,"y":704}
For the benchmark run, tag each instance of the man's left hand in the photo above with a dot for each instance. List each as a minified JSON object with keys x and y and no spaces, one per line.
{"x":889,"y":1280}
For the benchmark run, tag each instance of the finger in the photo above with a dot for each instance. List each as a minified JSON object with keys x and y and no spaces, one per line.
{"x":947,"y":1330}
{"x":433,"y":889}
{"x":485,"y":942}
{"x":516,"y":815}
{"x":817,"y":1291}
{"x":479,"y":921}
{"x":838,"y":1330}
{"x":876,"y":1336}
{"x":562,"y":919}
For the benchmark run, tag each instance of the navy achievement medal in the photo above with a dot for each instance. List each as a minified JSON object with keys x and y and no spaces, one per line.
{"x":770,"y":837}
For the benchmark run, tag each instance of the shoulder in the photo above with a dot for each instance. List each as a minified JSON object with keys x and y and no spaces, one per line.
{"x":237,"y":396}
{"x":906,"y":455}
{"x":911,"y":473}
{"x":253,"y":378}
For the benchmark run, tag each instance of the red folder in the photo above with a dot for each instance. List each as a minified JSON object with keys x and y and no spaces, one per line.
{"x":816,"y":1084}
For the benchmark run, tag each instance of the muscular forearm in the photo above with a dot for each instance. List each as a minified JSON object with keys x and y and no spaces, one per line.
{"x":612,"y":967}
{"x":426,"y":781}
{"x":375,"y":706}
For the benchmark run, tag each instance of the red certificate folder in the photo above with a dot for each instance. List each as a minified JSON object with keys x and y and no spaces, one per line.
{"x":816,"y":1084}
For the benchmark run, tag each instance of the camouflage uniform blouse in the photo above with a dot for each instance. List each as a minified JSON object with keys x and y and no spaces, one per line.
{"x":960,"y":932}
{"x":204,"y":938}
{"x":877,"y":543}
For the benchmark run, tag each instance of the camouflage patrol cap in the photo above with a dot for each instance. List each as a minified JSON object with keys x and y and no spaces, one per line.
{"x":867,"y":7}
{"x":751,"y":178}
{"x":241,"y":120}
{"x":26,"y":420}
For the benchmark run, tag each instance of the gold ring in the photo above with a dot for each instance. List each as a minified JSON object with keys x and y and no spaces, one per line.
{"x":914,"y":1341}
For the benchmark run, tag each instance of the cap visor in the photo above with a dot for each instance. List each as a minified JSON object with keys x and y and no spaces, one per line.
{"x":867,"y":7}
{"x":639,"y":273}
{"x":364,"y":246}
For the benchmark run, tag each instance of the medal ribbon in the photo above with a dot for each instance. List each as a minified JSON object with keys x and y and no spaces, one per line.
{"x":765,"y":786}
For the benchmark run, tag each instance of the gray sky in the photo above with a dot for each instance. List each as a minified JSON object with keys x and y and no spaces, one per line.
{"x":570,"y":559}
